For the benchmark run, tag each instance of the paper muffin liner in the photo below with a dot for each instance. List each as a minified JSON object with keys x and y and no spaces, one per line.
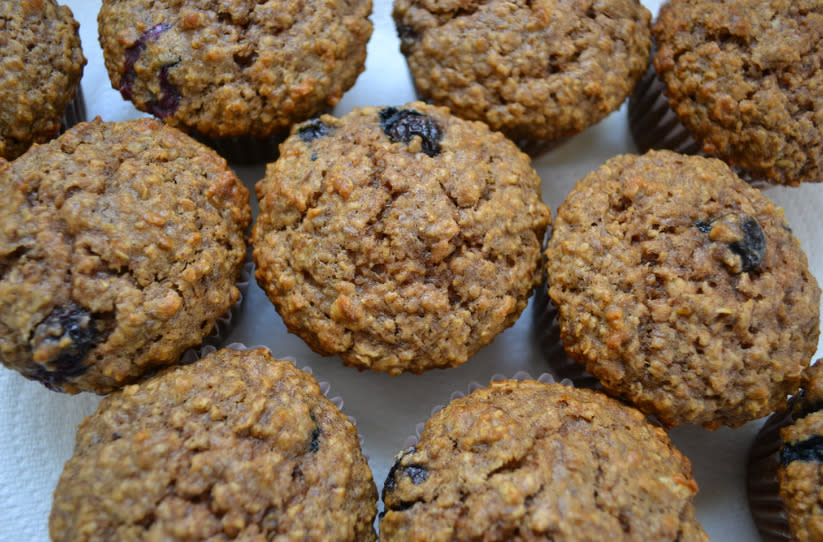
{"x":245,"y":150}
{"x":538,"y":147}
{"x":546,"y":334}
{"x":654,"y":124}
{"x":75,"y":111}
{"x":250,"y":150}
{"x":762,"y":486}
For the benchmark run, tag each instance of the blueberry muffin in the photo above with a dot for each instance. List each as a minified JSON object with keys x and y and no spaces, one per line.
{"x":744,"y":80}
{"x":532,"y":461}
{"x":237,"y":446}
{"x":237,"y":68}
{"x":40,"y":69}
{"x":533,"y":70}
{"x":785,"y":473}
{"x":682,"y":289}
{"x":120,"y":245}
{"x":399,"y":238}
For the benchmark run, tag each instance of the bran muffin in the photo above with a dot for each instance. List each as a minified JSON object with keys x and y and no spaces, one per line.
{"x":785,"y":468}
{"x":532,"y":461}
{"x":239,"y":69}
{"x":744,"y":78}
{"x":121,"y":244}
{"x":400,"y":239}
{"x":40,"y":69}
{"x":533,"y":70}
{"x":237,"y":446}
{"x":682,"y":289}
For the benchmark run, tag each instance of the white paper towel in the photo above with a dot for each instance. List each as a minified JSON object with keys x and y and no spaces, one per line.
{"x":37,"y":426}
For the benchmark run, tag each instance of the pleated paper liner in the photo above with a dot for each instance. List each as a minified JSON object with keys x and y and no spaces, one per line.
{"x":250,"y":150}
{"x":762,"y":487}
{"x":654,"y":124}
{"x":75,"y":111}
{"x":546,"y":334}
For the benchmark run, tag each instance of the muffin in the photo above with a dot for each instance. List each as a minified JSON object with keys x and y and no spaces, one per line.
{"x":532,"y":461}
{"x":744,"y":79}
{"x":40,"y":70}
{"x":785,"y":474}
{"x":682,"y":289}
{"x":532,"y":70}
{"x":121,"y":244}
{"x":400,"y":239}
{"x":238,"y":72}
{"x":236,"y":446}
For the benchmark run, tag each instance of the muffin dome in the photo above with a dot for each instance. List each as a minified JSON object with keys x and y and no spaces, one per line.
{"x":237,"y":446}
{"x":401,"y":238}
{"x":532,"y":70}
{"x":121,"y":245}
{"x":239,"y":68}
{"x":40,"y":69}
{"x":682,"y":289}
{"x":531,"y":461}
{"x":745,"y":78}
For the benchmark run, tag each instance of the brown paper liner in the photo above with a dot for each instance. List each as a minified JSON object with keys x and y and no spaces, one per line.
{"x":75,"y":111}
{"x":762,"y":487}
{"x":546,"y":333}
{"x":249,"y":150}
{"x":654,"y":124}
{"x":245,"y":150}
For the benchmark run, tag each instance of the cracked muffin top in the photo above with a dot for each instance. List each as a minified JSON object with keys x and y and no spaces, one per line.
{"x":682,"y":289}
{"x":232,"y":68}
{"x":401,"y":238}
{"x":534,"y":70}
{"x":120,"y":247}
{"x":745,"y":78}
{"x":532,"y":461}
{"x":40,"y":69}
{"x":236,"y":446}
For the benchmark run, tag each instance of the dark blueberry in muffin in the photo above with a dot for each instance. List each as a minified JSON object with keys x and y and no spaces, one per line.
{"x":401,"y":125}
{"x":743,"y":235}
{"x":313,"y":129}
{"x":133,"y":55}
{"x":62,"y":340}
{"x":810,"y":449}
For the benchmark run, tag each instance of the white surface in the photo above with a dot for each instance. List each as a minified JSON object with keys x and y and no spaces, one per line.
{"x":37,"y":426}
